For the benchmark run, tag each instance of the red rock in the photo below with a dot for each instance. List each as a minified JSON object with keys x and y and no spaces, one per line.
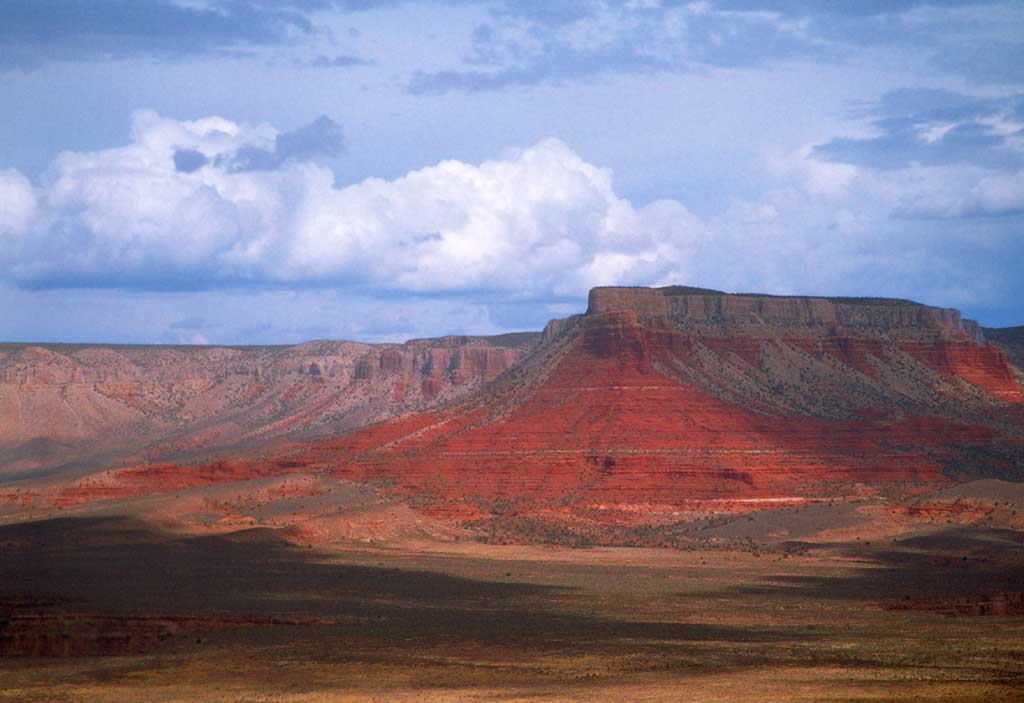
{"x":673,"y":399}
{"x":655,"y":405}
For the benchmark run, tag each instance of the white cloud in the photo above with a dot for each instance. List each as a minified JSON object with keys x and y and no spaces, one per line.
{"x":946,"y":192}
{"x":539,"y":223}
{"x":537,"y":220}
{"x":935,"y":132}
{"x":17,"y":203}
{"x":997,"y":195}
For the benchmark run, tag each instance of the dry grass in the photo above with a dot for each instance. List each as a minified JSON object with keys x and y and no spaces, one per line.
{"x":474,"y":622}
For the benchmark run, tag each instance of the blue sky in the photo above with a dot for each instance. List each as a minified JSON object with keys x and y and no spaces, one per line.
{"x":245,"y":171}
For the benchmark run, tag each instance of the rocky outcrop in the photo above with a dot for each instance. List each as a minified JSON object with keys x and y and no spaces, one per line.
{"x":702,"y":308}
{"x":65,"y":402}
{"x":662,"y":402}
{"x":656,"y":406}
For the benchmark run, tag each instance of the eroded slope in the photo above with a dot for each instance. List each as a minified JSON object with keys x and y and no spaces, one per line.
{"x":63,"y":403}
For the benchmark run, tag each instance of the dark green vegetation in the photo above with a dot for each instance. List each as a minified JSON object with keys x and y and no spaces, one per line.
{"x":249,"y":617}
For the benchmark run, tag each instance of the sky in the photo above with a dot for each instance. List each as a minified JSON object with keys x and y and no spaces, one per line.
{"x":251,"y":172}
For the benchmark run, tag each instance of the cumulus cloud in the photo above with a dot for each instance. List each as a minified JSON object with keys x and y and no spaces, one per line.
{"x":17,"y":203}
{"x":179,"y":208}
{"x":204,"y":203}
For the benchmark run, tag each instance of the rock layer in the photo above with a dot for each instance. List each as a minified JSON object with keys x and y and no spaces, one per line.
{"x":660,"y":401}
{"x":656,"y":406}
{"x":815,"y":316}
{"x":68,"y":402}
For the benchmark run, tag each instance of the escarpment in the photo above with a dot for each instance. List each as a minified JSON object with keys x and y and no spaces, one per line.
{"x":655,"y":406}
{"x":62,"y":403}
{"x":659,"y":401}
{"x":710,"y":311}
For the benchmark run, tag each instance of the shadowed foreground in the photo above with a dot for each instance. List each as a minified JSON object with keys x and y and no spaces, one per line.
{"x":248,"y":617}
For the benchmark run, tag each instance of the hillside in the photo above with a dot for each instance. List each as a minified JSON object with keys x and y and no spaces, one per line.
{"x":658,"y":403}
{"x":654,"y":408}
{"x":1010,"y":340}
{"x":89,"y":404}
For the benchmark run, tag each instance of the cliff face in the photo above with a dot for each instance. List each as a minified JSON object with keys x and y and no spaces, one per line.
{"x":655,"y":406}
{"x":703,"y":309}
{"x":657,"y":402}
{"x":874,"y":337}
{"x":63,"y":402}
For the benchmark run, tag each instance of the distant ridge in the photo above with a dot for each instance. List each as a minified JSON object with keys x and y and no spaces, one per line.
{"x":97,"y":403}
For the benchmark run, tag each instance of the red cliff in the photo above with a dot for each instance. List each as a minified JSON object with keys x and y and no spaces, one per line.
{"x":667,"y":400}
{"x":656,"y":406}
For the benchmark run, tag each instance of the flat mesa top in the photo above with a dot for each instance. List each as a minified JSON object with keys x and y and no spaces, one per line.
{"x":672,"y":291}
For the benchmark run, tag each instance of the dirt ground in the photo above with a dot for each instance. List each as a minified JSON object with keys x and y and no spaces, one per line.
{"x":250,"y":617}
